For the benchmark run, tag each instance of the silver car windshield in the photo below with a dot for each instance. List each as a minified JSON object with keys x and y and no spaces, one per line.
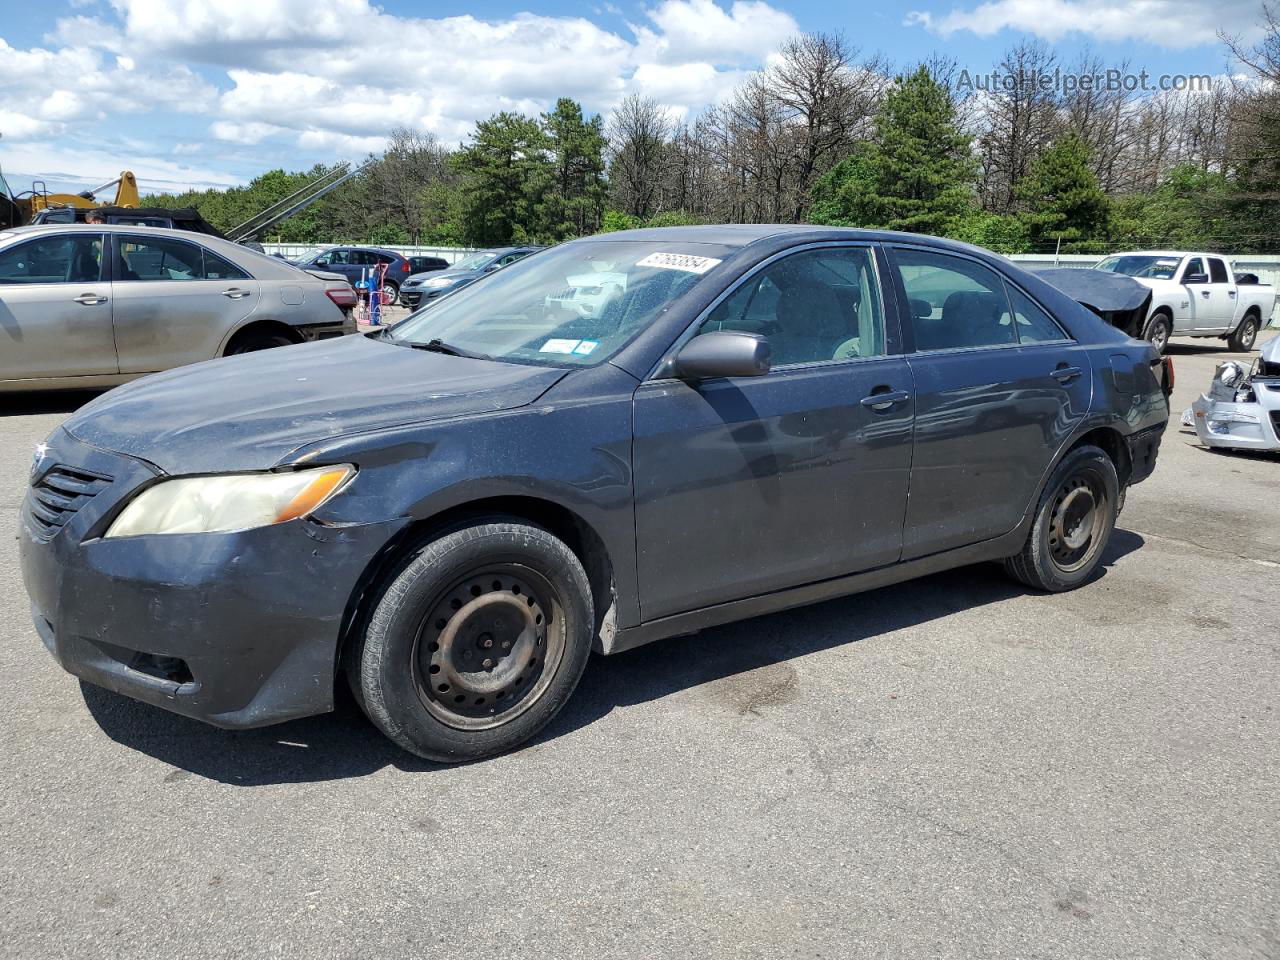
{"x":573,"y":305}
{"x":1150,"y":267}
{"x":475,"y":261}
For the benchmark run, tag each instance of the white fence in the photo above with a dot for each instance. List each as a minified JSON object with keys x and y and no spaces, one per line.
{"x":295,"y":251}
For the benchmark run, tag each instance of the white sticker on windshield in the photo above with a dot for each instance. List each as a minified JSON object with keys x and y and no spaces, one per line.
{"x":586,"y":346}
{"x":678,"y":261}
{"x":559,"y":346}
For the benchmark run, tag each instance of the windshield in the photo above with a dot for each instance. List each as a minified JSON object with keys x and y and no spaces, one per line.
{"x":1145,"y":265}
{"x":475,"y":261}
{"x":574,"y":305}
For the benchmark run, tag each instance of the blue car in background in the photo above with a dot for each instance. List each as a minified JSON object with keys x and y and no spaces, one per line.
{"x":420,"y":289}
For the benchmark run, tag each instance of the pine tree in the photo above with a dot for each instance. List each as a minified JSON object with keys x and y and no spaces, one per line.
{"x":575,"y":203}
{"x":1064,"y":201}
{"x":507,"y":170}
{"x":916,"y":175}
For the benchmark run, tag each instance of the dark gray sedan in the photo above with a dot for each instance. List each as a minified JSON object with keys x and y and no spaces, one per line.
{"x":422,"y":288}
{"x":453,"y":513}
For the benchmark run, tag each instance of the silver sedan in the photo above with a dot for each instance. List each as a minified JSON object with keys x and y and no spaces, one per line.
{"x":95,"y":305}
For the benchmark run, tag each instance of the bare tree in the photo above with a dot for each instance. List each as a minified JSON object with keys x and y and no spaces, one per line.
{"x":1019,"y":119}
{"x":639,"y":131}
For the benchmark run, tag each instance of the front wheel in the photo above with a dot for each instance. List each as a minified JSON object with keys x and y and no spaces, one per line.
{"x":1073,"y":523}
{"x":477,"y":642}
{"x":1159,"y":331}
{"x":1241,"y":341}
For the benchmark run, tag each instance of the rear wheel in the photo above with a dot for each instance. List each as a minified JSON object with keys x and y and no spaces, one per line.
{"x":477,"y":643}
{"x":1073,"y":523}
{"x":391,"y":291}
{"x":255,"y":340}
{"x":1241,"y":341}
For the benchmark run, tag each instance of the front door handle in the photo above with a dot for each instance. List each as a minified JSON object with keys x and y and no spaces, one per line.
{"x":235,"y":293}
{"x":1065,"y":374}
{"x":883,"y":401}
{"x":1205,"y":294}
{"x":90,"y":299}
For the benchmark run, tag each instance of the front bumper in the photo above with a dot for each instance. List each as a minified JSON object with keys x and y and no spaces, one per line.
{"x":416,"y":296}
{"x":1241,"y":426}
{"x":236,"y":629}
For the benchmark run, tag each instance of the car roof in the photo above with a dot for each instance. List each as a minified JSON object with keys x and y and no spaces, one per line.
{"x":742,"y":234}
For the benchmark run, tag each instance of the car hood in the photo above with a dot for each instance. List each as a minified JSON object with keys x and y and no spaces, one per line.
{"x":251,"y":411}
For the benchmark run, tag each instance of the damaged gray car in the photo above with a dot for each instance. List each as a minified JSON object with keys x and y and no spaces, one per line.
{"x":1241,"y":411}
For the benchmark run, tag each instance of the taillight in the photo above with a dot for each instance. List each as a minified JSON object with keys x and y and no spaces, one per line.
{"x":342,"y":296}
{"x":404,"y":266}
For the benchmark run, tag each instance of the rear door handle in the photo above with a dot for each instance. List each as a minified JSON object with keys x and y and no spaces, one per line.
{"x":235,"y":293}
{"x":883,"y":401}
{"x":90,"y":299}
{"x":1067,"y":374}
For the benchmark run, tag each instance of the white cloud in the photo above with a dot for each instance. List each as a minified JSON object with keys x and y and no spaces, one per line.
{"x":332,"y":79}
{"x":1176,"y":24}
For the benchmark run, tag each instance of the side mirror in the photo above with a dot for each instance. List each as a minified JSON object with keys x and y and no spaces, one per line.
{"x":725,"y":353}
{"x":320,"y":263}
{"x":1195,"y":278}
{"x":492,"y":267}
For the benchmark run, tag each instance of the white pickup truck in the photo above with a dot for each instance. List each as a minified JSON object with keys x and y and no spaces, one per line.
{"x":1197,"y":295}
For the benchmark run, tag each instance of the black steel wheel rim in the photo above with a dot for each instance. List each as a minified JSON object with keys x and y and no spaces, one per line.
{"x":1076,"y":522}
{"x":489,"y":647}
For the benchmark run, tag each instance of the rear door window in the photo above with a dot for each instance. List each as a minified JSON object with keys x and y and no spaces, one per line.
{"x":216,"y":268}
{"x":1217,"y":271}
{"x":1033,"y":325}
{"x":954,"y":303}
{"x":158,"y":258}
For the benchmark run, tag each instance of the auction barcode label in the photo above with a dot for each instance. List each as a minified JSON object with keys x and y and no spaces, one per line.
{"x":678,"y":261}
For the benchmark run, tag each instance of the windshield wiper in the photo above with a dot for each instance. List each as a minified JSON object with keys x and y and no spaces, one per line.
{"x":439,"y":346}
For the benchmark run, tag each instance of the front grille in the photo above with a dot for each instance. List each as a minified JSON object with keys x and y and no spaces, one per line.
{"x":55,"y":497}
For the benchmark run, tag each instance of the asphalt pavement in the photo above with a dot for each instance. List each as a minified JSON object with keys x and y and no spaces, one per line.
{"x":954,"y":767}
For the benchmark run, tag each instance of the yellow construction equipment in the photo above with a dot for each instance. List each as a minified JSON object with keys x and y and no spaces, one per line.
{"x":41,"y":199}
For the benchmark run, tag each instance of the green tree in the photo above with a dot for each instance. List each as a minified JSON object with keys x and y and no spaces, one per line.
{"x":918,"y":172}
{"x":1064,"y":201}
{"x":1191,"y":208}
{"x":575,"y":203}
{"x":506,"y":171}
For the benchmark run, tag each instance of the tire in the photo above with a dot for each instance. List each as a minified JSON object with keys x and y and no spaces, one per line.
{"x":255,"y":341}
{"x":1159,"y":330}
{"x":1065,"y":544}
{"x":392,"y":291}
{"x":1242,"y":338}
{"x":476,"y":643}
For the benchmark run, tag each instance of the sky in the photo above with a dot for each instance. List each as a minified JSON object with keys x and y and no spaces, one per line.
{"x":196,"y":93}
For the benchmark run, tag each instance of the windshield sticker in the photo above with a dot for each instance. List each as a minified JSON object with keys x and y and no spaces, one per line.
{"x":678,"y":261}
{"x":586,"y":346}
{"x":1166,"y":263}
{"x":561,"y":346}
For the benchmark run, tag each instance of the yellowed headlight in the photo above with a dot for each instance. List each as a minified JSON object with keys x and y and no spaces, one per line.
{"x":228,"y":502}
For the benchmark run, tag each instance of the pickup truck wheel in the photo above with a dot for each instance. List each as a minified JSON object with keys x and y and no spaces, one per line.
{"x":1241,"y":341}
{"x":477,"y":643}
{"x":1073,"y":523}
{"x":1159,"y":331}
